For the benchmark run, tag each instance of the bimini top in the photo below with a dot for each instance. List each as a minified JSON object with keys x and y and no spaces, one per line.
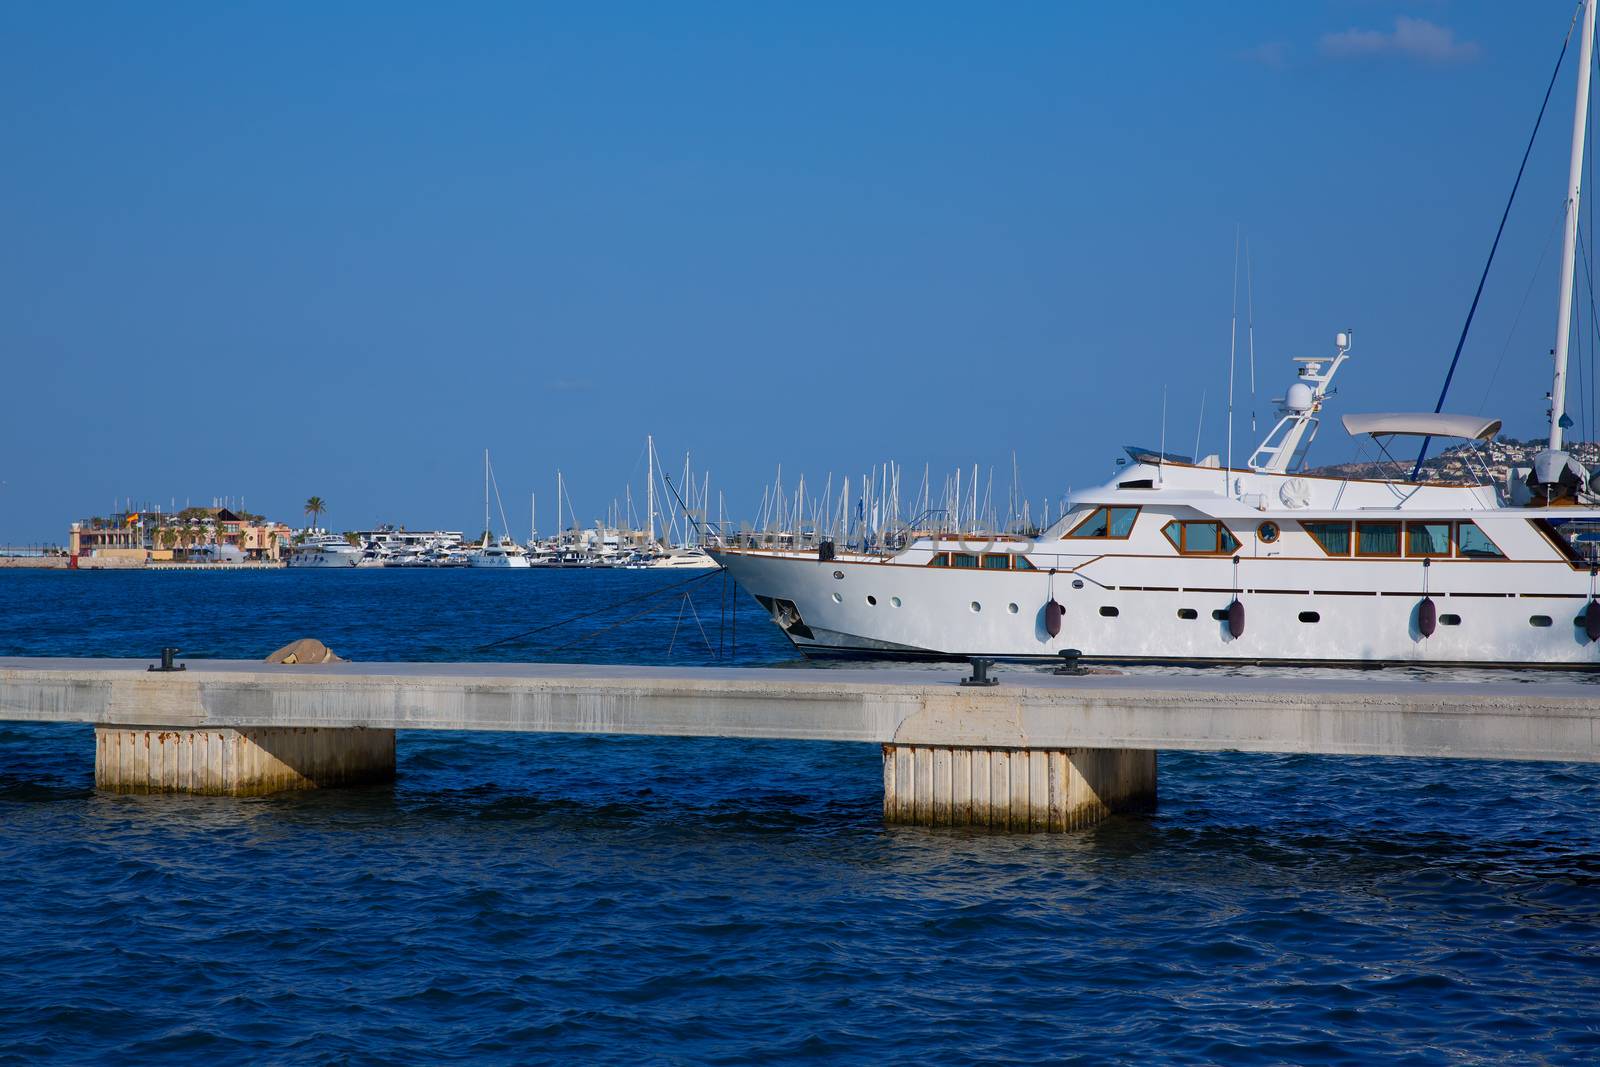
{"x":1422,"y":424}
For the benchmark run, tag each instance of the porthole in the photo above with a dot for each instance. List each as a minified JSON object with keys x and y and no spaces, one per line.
{"x":837,"y":599}
{"x":1267,"y":532}
{"x":1109,"y":612}
{"x":1077,"y":583}
{"x":1449,"y":620}
{"x":1221,"y":614}
{"x":975,"y":606}
{"x":872,"y":600}
{"x":1539,"y":620}
{"x":1310,"y":616}
{"x":895,"y":601}
{"x":1011,"y":608}
{"x":1188,"y":613}
{"x":839,"y":575}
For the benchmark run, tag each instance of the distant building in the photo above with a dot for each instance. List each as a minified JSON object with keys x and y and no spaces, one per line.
{"x":193,"y":533}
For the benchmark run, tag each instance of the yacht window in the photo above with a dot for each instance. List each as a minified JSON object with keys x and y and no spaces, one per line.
{"x":1427,"y":538}
{"x":1200,"y":538}
{"x":1377,"y":538}
{"x":1332,"y":537}
{"x":1106,"y":523}
{"x":1473,"y":543}
{"x":1449,"y":620}
{"x":996,"y":562}
{"x":940,"y":559}
{"x":964,"y":560}
{"x":1188,"y":613}
{"x":1021,"y":563}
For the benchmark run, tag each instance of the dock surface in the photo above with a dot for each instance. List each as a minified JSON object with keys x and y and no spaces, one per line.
{"x":1379,"y":714}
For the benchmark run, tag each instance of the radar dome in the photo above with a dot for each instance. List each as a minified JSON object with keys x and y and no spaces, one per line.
{"x":1299,"y":398}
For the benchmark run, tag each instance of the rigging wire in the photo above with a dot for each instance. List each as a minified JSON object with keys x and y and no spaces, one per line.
{"x":592,"y":612}
{"x":1422,"y":451}
{"x":1533,"y":280}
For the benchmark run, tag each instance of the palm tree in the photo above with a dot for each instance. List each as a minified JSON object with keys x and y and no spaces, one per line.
{"x":315,"y":506}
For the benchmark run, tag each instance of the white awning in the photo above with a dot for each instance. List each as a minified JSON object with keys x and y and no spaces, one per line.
{"x":1422,"y":424}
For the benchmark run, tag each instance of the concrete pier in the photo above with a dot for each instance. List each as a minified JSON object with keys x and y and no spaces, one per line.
{"x":243,"y":762}
{"x":1037,"y":751}
{"x":1016,"y":789}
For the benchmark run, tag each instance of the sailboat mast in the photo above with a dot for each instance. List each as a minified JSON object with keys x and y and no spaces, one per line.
{"x":650,"y":484}
{"x":1580,"y":118}
{"x":486,"y":496}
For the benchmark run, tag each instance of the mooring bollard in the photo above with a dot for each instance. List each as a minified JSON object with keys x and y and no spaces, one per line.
{"x":980,"y":673}
{"x":167,"y":656}
{"x":1069,"y":662}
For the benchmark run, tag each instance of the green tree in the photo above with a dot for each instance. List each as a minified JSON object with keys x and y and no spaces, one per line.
{"x":315,"y":506}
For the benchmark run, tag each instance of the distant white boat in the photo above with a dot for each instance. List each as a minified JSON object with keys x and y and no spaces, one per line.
{"x":501,"y":554}
{"x":323,"y":550}
{"x":504,"y":554}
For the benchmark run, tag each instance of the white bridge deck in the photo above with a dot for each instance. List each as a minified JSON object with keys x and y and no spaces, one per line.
{"x":1385,"y":714}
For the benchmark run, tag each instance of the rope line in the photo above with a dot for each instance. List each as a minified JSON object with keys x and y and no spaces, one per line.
{"x":596,"y":611}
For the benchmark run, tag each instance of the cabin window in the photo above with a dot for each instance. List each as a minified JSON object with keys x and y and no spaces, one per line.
{"x":1109,"y":612}
{"x":996,"y":562}
{"x":1332,"y":537}
{"x":1220,"y":614}
{"x":1106,"y":523}
{"x":940,"y":559}
{"x":1267,"y":532}
{"x":1200,"y":538}
{"x":1188,"y":613}
{"x":1449,"y":620}
{"x":1473,"y":543}
{"x":1021,"y":563}
{"x":1427,"y":538}
{"x":1310,"y":616}
{"x":1539,"y":620}
{"x":1377,"y":538}
{"x":964,"y":561}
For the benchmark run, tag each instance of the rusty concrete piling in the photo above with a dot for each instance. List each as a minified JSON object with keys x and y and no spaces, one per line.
{"x":239,"y":762}
{"x":1018,"y":790}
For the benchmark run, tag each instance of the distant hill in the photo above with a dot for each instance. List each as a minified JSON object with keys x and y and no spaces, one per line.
{"x":1451,"y":464}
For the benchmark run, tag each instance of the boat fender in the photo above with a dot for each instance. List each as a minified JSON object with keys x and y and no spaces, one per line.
{"x":1591,"y":621}
{"x":1236,"y":619}
{"x":1052,"y":617}
{"x":1427,"y":617}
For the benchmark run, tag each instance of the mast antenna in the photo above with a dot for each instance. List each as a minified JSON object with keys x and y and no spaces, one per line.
{"x":1233,"y":344}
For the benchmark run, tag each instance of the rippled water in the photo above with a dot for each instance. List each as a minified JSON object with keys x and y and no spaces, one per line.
{"x":516,"y":898}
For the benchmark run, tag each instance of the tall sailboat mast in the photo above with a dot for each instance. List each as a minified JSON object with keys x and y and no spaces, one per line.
{"x":1580,"y":118}
{"x":486,"y":496}
{"x":650,"y":485}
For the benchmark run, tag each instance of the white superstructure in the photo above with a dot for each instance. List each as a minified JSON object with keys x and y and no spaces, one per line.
{"x":1173,"y":561}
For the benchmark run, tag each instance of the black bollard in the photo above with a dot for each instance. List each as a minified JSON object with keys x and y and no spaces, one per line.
{"x":980,"y":673}
{"x":1069,"y":662}
{"x":167,"y":656}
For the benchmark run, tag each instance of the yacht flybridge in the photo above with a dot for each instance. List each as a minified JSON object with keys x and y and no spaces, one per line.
{"x":1178,"y":561}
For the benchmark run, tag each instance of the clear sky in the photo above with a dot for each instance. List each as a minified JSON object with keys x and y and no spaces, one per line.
{"x":271,"y":250}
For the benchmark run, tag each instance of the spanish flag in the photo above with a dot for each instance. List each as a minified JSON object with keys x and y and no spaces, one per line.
{"x":133,"y":520}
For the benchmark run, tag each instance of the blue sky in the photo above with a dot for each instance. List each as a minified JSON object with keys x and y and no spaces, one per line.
{"x":276,"y":250}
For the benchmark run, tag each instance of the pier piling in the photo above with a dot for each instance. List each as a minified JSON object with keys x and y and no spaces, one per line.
{"x":248,"y":761}
{"x":1014,"y":789}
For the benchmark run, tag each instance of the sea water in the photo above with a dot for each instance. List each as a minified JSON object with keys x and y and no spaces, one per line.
{"x":516,"y":898}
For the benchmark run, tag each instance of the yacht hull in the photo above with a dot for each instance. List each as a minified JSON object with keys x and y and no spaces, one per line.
{"x":1515,"y":615}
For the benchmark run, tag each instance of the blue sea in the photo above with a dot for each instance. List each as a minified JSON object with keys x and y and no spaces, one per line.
{"x":520,"y":898}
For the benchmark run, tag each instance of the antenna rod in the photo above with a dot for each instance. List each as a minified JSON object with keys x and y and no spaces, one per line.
{"x":1580,"y":118}
{"x":1233,"y":344}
